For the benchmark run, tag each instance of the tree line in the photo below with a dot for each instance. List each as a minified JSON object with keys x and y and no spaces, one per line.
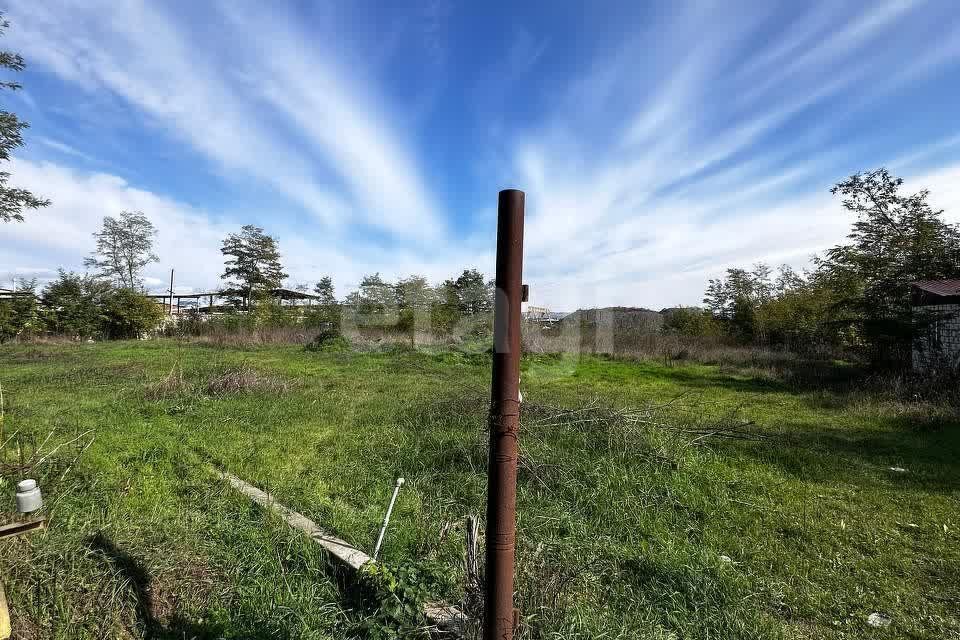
{"x":109,"y":299}
{"x":856,"y":296}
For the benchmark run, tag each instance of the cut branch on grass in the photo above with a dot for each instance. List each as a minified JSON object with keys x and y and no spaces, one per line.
{"x":657,"y":432}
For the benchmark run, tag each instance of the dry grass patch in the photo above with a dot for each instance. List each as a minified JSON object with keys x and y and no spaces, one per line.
{"x":246,"y":379}
{"x":171,"y":385}
{"x":234,"y":380}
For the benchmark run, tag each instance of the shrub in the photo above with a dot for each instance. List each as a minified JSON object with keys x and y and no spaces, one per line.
{"x":322,"y":317}
{"x":233,"y":322}
{"x":392,"y":598}
{"x":270,"y":314}
{"x":128,"y":314}
{"x":329,"y":339}
{"x":444,"y":317}
{"x":691,"y":322}
{"x":189,"y":324}
{"x":71,"y":305}
{"x":406,"y":321}
{"x":19,"y":316}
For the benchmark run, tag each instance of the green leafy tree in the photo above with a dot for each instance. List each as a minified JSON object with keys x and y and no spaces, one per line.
{"x":253,"y":264}
{"x":324,"y":289}
{"x":445,"y":311}
{"x":692,"y":322}
{"x":896,"y":239}
{"x":801,"y":318}
{"x":128,"y":314}
{"x":787,"y":280}
{"x":735,"y":300}
{"x":474,"y":294}
{"x":414,"y":297}
{"x":13,"y":201}
{"x":124,"y":248}
{"x":19,"y":317}
{"x":413,"y":292}
{"x":327,"y":313}
{"x":376,"y":296}
{"x":72,"y":305}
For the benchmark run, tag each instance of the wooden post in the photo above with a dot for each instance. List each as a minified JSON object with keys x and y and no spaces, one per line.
{"x":5,"y":630}
{"x":10,"y":531}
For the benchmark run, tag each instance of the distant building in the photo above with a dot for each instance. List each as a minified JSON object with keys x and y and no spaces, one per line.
{"x":10,"y":294}
{"x":543,"y":315}
{"x":936,"y":312}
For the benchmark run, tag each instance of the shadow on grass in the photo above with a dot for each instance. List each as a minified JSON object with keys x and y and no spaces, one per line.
{"x":795,"y":376}
{"x":177,"y":627}
{"x":864,"y":456}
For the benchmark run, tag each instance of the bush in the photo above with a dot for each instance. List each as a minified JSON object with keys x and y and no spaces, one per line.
{"x":338,"y":343}
{"x":691,"y":322}
{"x":232,"y":322}
{"x":128,"y":314}
{"x":444,"y":317}
{"x":329,"y":339}
{"x":269,"y":314}
{"x":406,"y":321}
{"x":72,"y":305}
{"x":322,"y":317}
{"x":189,"y":324}
{"x":19,"y":317}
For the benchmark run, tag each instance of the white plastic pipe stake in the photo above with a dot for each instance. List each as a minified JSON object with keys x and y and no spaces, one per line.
{"x":386,"y":518}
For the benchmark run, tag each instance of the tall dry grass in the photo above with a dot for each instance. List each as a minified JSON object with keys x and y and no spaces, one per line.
{"x":360,"y":338}
{"x":651,"y":346}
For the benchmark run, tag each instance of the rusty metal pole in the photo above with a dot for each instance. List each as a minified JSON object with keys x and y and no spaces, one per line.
{"x":504,"y":420}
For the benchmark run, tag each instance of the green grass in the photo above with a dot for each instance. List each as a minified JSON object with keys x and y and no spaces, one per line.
{"x":622,"y":524}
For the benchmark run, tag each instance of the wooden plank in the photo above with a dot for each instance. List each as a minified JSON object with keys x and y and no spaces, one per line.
{"x":341,"y":550}
{"x":5,"y":630}
{"x":447,"y":619}
{"x":20,"y":528}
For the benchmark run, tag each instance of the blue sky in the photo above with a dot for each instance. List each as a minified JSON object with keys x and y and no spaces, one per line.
{"x":658,"y":143}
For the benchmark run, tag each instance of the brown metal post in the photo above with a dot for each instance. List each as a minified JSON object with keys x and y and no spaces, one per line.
{"x":504,"y":420}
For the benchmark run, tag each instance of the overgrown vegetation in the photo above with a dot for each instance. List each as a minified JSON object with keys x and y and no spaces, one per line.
{"x":657,"y":499}
{"x":77,"y":307}
{"x":854,"y":304}
{"x":856,"y":299}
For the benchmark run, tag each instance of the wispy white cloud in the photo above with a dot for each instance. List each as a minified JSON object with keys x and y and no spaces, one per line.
{"x":379,"y":174}
{"x":140,"y":53}
{"x":703,"y":176}
{"x":62,"y":148}
{"x":188,"y":239}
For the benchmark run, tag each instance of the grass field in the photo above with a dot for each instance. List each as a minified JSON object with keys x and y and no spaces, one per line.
{"x":656,"y":499}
